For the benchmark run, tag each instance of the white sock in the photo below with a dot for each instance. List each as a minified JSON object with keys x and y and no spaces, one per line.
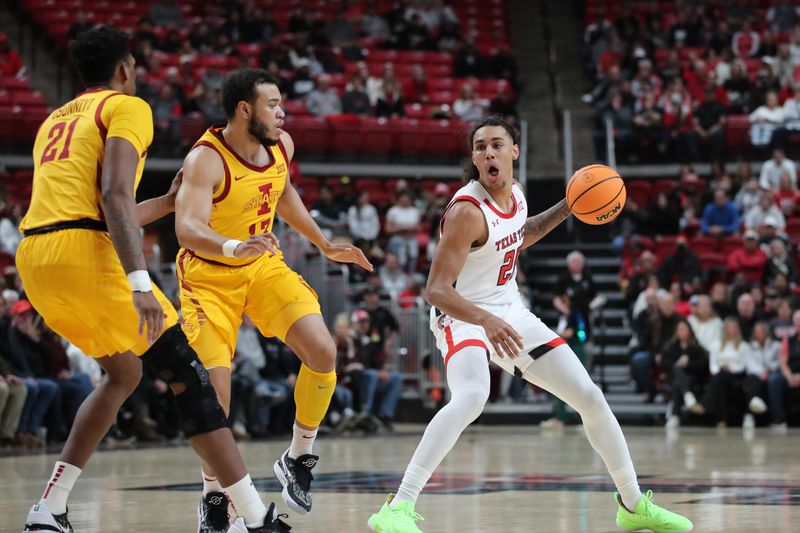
{"x":302,"y":441}
{"x":414,"y":481}
{"x":58,"y":489}
{"x":210,"y":483}
{"x":246,"y":502}
{"x":627,"y":486}
{"x":561,"y":373}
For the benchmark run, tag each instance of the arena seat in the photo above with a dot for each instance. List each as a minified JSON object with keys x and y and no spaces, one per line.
{"x":347,"y":134}
{"x":702,"y":244}
{"x":737,"y":130}
{"x":314,"y":132}
{"x":378,"y":136}
{"x":712,"y":260}
{"x":639,"y":191}
{"x":729,"y":244}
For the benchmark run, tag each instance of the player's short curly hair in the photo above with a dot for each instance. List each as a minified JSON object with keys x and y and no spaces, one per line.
{"x":240,"y":85}
{"x":470,"y":171}
{"x":97,"y":52}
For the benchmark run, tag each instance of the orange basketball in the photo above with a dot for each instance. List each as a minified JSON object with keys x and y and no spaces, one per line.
{"x":596,"y":194}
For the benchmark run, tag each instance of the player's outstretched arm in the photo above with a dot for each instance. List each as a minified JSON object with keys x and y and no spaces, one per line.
{"x":157,"y":208}
{"x":540,"y":225}
{"x":291,"y":209}
{"x":202,"y":174}
{"x":464,"y":226}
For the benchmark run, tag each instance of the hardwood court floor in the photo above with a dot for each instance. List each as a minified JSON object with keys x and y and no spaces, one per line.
{"x":497,"y":479}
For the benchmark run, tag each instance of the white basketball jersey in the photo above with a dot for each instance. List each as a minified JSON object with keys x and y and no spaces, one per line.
{"x":489,"y":274}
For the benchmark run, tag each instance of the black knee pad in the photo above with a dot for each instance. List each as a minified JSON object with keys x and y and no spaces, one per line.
{"x":174,"y":361}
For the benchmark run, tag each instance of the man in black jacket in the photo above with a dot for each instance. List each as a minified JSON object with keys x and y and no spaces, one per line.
{"x":683,"y":265}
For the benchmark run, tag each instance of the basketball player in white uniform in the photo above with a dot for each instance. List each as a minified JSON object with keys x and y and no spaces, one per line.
{"x":478,"y":315}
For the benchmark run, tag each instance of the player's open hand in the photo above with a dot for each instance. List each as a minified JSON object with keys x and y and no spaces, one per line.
{"x":150,"y":313}
{"x":176,"y":184}
{"x":347,"y":253}
{"x":505,"y":339}
{"x":257,"y":245}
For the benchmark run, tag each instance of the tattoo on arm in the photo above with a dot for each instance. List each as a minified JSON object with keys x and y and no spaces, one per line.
{"x":123,"y":228}
{"x":540,"y":225}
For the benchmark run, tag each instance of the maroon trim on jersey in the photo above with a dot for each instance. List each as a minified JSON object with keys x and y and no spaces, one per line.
{"x":499,"y":213}
{"x":283,"y":151}
{"x":201,"y":315}
{"x":462,"y":198}
{"x":216,"y":131}
{"x":98,"y":118}
{"x":452,"y":349}
{"x":93,"y":90}
{"x":226,"y":184}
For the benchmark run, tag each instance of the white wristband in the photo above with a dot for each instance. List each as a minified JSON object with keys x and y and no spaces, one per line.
{"x":229,"y":247}
{"x":140,"y":281}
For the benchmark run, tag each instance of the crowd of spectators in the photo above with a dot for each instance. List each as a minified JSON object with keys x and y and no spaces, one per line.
{"x":673,"y":81}
{"x":324,"y":66}
{"x":710,"y":274}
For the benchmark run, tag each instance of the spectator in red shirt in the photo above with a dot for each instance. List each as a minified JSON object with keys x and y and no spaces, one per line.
{"x":417,"y":87}
{"x":749,"y":259}
{"x":677,"y":106}
{"x":10,"y":63}
{"x":787,"y":197}
{"x":746,"y":42}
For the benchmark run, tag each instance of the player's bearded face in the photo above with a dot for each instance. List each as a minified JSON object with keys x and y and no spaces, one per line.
{"x":261,"y":131}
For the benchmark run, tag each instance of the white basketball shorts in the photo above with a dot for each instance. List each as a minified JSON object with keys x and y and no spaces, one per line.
{"x":454,"y":335}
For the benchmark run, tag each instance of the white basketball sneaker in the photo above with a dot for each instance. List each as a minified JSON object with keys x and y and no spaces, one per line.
{"x":41,"y":519}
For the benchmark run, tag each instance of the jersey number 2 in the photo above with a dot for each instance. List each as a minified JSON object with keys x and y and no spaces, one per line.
{"x":55,"y":134}
{"x":509,"y":264}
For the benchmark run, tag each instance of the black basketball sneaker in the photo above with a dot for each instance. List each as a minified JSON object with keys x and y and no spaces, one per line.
{"x":272,"y":524}
{"x":295,"y":476}
{"x":41,"y":519}
{"x":212,"y":513}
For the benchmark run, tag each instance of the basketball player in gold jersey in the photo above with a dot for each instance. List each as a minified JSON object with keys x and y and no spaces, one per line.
{"x":82,"y":266}
{"x":235,"y":180}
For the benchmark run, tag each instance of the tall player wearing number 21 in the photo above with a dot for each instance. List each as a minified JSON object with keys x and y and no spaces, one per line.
{"x":82,"y":266}
{"x":235,"y":180}
{"x":478,"y":316}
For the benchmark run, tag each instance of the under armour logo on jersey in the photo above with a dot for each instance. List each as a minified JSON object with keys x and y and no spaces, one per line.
{"x":495,"y":223}
{"x":216,"y":500}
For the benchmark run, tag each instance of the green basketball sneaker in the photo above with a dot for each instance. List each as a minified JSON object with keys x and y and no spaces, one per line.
{"x":650,"y":517}
{"x":398,"y":519}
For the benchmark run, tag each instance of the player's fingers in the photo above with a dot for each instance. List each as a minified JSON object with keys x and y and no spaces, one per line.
{"x":362,"y":260}
{"x":511,"y":350}
{"x":141,"y":323}
{"x":498,"y":348}
{"x":273,"y":239}
{"x":159,"y":327}
{"x":516,"y":339}
{"x":151,"y":325}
